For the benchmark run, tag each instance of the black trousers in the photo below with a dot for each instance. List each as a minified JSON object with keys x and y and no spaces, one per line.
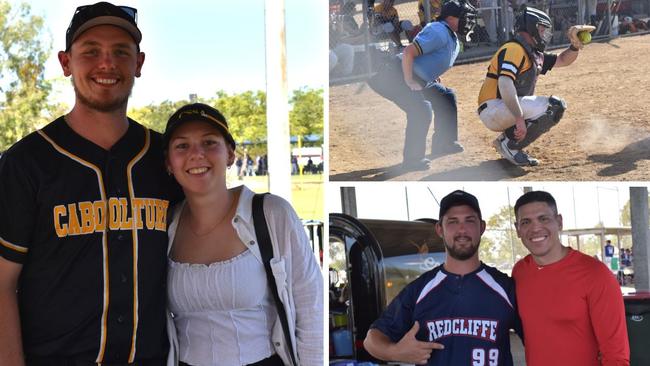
{"x":274,"y":360}
{"x":72,"y":362}
{"x":434,"y":100}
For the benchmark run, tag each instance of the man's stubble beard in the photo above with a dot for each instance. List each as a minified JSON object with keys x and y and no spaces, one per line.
{"x":102,"y":106}
{"x":461,"y":255}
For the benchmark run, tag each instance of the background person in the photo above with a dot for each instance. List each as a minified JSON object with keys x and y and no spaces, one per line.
{"x":217,"y":285}
{"x":587,"y":12}
{"x":570,"y":304}
{"x":435,"y":7}
{"x":385,"y":18}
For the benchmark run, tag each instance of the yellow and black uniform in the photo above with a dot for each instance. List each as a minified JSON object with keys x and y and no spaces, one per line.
{"x":435,"y":6}
{"x":89,"y":226}
{"x":518,"y":61}
{"x":386,"y":14}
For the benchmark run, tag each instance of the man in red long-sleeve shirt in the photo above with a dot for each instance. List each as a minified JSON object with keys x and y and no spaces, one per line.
{"x":570,"y":304}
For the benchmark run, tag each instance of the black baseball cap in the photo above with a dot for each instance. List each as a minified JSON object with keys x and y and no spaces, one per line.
{"x":102,"y":13}
{"x":458,"y":198}
{"x":198,"y":112}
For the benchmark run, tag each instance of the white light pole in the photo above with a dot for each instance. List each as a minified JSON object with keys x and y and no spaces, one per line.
{"x":277,"y":101}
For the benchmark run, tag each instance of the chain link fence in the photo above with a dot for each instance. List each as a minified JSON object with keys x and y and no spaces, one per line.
{"x":363,"y":33}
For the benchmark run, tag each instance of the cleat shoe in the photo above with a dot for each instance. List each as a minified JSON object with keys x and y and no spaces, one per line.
{"x":525,"y":159}
{"x":414,"y":165}
{"x":516,"y":157}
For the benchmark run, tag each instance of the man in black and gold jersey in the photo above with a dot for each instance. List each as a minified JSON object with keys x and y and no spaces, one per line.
{"x":507,"y":102}
{"x":83,"y":215}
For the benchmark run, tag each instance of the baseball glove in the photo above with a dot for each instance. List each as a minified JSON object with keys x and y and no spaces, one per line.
{"x":572,"y":33}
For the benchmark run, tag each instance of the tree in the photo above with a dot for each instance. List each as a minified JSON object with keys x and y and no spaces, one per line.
{"x":589,"y":244}
{"x":155,"y":116}
{"x":306,"y":117}
{"x":500,"y":242}
{"x":626,"y":218}
{"x":246,"y":114}
{"x":24,"y":50}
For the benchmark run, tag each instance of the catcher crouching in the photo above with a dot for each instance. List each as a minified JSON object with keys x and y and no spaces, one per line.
{"x":507,"y":103}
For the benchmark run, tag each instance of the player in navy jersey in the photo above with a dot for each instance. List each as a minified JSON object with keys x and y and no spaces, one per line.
{"x":459,"y":313}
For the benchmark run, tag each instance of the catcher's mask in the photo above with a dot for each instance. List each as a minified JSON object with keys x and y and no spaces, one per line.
{"x":464,"y":11}
{"x":529,"y":20}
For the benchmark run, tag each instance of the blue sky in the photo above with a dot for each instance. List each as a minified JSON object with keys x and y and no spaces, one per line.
{"x":201,"y":46}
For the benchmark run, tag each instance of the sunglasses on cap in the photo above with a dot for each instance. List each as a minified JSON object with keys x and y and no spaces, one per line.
{"x":131,"y":12}
{"x":102,"y":13}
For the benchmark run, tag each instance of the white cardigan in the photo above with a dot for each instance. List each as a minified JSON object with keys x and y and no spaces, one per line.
{"x":296,"y":273}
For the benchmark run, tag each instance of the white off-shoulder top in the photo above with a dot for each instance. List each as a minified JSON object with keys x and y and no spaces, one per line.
{"x":223,"y":312}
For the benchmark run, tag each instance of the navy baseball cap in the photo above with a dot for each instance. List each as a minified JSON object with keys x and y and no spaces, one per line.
{"x":198,"y":112}
{"x":102,"y":13}
{"x":458,"y":198}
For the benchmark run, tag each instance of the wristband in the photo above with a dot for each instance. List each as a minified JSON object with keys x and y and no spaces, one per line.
{"x":572,"y":48}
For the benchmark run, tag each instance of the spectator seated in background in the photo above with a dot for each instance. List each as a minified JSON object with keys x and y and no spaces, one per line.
{"x":344,"y":31}
{"x":309,"y":168}
{"x":384,"y":19}
{"x":632,"y":25}
{"x":434,"y":10}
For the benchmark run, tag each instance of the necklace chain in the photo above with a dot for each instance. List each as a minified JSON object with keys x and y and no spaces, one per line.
{"x":232,"y":204}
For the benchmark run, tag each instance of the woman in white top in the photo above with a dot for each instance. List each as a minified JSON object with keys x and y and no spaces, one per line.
{"x":222,"y":306}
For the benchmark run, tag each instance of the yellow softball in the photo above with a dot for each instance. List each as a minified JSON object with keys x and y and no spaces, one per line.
{"x":584,"y":37}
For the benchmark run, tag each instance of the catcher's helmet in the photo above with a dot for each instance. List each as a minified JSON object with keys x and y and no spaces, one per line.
{"x":527,"y":21}
{"x":464,"y":11}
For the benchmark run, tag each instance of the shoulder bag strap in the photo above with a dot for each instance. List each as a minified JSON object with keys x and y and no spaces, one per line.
{"x":266,"y":249}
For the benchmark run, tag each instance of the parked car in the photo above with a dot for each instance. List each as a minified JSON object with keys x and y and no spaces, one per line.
{"x":381,"y":257}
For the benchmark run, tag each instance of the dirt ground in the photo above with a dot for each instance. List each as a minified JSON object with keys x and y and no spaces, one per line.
{"x":604,"y":135}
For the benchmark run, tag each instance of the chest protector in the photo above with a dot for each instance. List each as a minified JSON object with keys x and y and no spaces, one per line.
{"x":527,"y":78}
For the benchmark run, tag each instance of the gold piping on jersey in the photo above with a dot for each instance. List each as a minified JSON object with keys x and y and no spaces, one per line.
{"x":14,"y":247}
{"x":134,"y":231}
{"x":102,"y":192}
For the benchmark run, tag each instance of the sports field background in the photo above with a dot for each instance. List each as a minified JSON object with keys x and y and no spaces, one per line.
{"x":307,"y":192}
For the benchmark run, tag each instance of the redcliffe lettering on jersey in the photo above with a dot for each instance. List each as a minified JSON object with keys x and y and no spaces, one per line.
{"x":485,"y":329}
{"x":89,"y":217}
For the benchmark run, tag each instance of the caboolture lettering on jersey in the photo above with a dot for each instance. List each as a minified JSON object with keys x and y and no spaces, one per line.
{"x":485,"y":329}
{"x":87,"y":217}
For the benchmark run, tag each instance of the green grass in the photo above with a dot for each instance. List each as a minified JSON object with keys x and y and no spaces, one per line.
{"x":307,"y":193}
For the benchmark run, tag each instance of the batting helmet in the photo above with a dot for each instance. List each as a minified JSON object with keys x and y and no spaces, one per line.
{"x":464,"y":11}
{"x":528,"y":21}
